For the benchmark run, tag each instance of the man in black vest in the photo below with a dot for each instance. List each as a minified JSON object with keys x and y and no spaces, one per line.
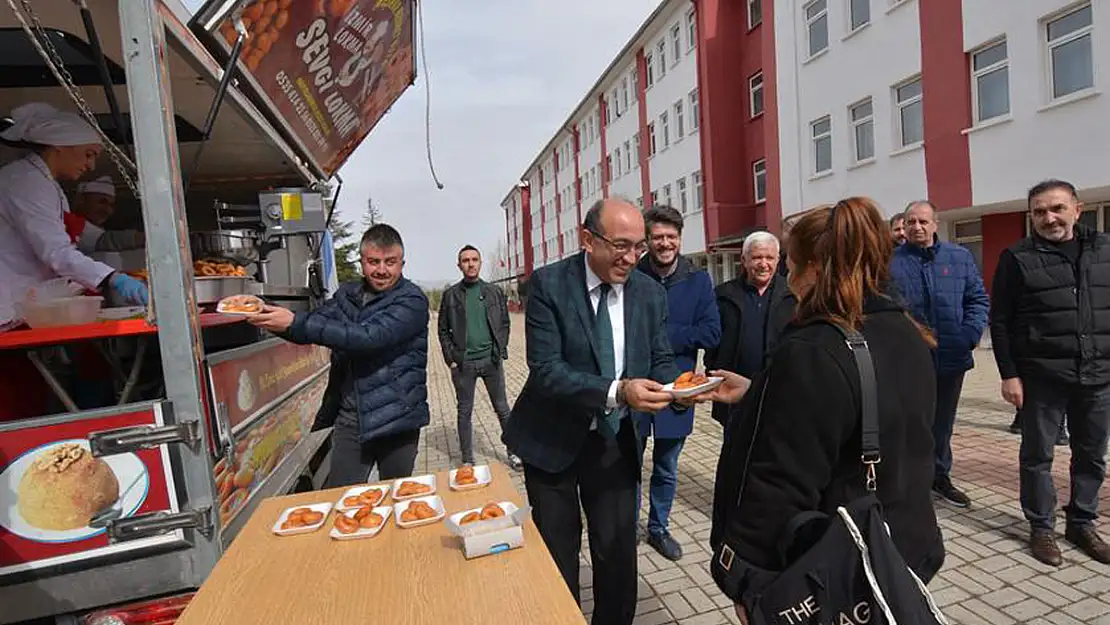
{"x":1051,"y":332}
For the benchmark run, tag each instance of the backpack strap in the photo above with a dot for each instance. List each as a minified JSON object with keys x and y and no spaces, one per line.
{"x":869,"y":395}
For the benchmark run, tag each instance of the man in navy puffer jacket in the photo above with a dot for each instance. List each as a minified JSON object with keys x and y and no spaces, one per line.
{"x":377,"y":395}
{"x":941,"y":286}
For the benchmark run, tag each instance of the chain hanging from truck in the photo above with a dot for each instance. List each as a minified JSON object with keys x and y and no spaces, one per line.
{"x":36,"y":32}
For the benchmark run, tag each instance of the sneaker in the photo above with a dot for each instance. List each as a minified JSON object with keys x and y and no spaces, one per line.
{"x":1042,"y":544}
{"x":515,"y":463}
{"x":944,"y":489}
{"x":1089,"y":542}
{"x":666,"y":545}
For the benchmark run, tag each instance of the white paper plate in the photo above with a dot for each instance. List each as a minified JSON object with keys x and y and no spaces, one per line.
{"x":385,"y":511}
{"x":435,"y":501}
{"x":358,"y":490}
{"x":323,"y":508}
{"x":481,"y":472}
{"x":709,"y":385}
{"x":429,"y":479}
{"x":127,"y":468}
{"x":220,"y":306}
{"x":507,"y":506}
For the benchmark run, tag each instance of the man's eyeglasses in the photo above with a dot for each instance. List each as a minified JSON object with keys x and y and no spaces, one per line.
{"x":623,"y":247}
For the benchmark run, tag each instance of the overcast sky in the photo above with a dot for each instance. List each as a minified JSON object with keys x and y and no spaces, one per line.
{"x":505,"y":74}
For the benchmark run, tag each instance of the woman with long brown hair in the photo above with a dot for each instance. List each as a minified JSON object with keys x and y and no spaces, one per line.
{"x":794,"y":444}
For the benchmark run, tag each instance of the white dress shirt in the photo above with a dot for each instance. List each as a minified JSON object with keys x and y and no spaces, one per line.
{"x":616,"y":319}
{"x":34,"y":246}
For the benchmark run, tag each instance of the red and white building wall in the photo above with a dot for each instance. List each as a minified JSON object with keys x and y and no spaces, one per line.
{"x":791,"y":104}
{"x":967,"y":104}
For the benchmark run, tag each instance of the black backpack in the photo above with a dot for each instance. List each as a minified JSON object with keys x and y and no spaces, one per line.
{"x":840,"y":569}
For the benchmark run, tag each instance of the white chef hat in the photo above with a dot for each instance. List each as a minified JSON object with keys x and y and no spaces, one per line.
{"x":42,"y":124}
{"x":102,"y":185}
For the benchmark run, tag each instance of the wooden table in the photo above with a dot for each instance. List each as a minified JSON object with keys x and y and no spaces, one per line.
{"x":412,"y":576}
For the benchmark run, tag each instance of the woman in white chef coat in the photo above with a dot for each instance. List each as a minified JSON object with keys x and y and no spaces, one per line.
{"x":35,"y":243}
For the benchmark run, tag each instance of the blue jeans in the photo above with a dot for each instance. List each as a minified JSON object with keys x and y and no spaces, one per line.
{"x":664,"y":482}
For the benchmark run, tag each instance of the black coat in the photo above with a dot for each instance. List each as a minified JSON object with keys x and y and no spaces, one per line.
{"x":730,"y":303}
{"x":452,"y":321}
{"x":1050,"y":319}
{"x":805,"y":455}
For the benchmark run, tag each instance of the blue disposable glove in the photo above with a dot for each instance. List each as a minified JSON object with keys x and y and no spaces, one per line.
{"x":129,"y":289}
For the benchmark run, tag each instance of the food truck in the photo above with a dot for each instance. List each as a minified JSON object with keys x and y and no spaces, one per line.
{"x":225,"y":130}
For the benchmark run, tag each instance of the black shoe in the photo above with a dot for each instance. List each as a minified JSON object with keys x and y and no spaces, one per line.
{"x":944,"y":489}
{"x":667,"y":546}
{"x":1015,"y":426}
{"x":515,"y":463}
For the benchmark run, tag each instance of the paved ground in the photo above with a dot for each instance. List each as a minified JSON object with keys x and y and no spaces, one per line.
{"x":988,"y":578}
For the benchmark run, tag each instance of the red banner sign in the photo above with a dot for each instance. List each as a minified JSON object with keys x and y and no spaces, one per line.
{"x":329,"y":68}
{"x":249,"y":384}
{"x":262,"y":447}
{"x":51,"y":486}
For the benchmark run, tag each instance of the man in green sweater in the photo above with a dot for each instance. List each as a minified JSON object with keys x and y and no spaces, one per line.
{"x":474,"y":335}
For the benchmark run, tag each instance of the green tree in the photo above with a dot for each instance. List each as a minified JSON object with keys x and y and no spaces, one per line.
{"x":346,"y":251}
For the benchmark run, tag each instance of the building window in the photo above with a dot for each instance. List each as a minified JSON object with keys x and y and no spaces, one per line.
{"x":859,"y":14}
{"x":648,"y":58}
{"x":627,"y":156}
{"x":607,"y":173}
{"x":676,"y":43}
{"x":655,"y":197}
{"x":691,"y":30}
{"x":1070,"y":60}
{"x":683,"y":204}
{"x":696,"y":178}
{"x":907,"y":98}
{"x":667,"y":194}
{"x":651,"y":139}
{"x":817,"y":26}
{"x":694,"y":121}
{"x":679,"y":123}
{"x":755,"y":94}
{"x":617,"y":162}
{"x":755,"y":13}
{"x":822,"y":144}
{"x":970,"y":235}
{"x":990,"y":83}
{"x":615,"y":103}
{"x":665,"y":125}
{"x":640,"y":201}
{"x":759,"y":180}
{"x":862,"y":118}
{"x":661,"y":55}
{"x":636,"y":144}
{"x":624,"y":92}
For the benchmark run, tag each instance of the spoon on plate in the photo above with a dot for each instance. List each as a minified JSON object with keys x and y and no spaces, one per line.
{"x":111,"y":513}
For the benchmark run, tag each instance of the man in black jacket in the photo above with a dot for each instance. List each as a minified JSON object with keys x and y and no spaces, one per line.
{"x":474,"y":335}
{"x":1051,"y":332}
{"x":755,"y":309}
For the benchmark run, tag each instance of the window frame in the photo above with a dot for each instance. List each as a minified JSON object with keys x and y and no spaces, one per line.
{"x":810,"y":22}
{"x":698,"y":200}
{"x":900,"y":105}
{"x":852,"y":28}
{"x":665,"y":125}
{"x":976,"y":74}
{"x":691,"y":30}
{"x":754,"y":20}
{"x":649,"y":62}
{"x":651,"y":139}
{"x":1050,"y":44}
{"x":684,"y":205}
{"x":676,"y":43}
{"x":855,"y":124}
{"x":695,"y":120}
{"x":759,"y":169}
{"x":679,"y":113}
{"x":661,"y":54}
{"x":815,"y":138}
{"x":667,"y":195}
{"x":752,"y":89}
